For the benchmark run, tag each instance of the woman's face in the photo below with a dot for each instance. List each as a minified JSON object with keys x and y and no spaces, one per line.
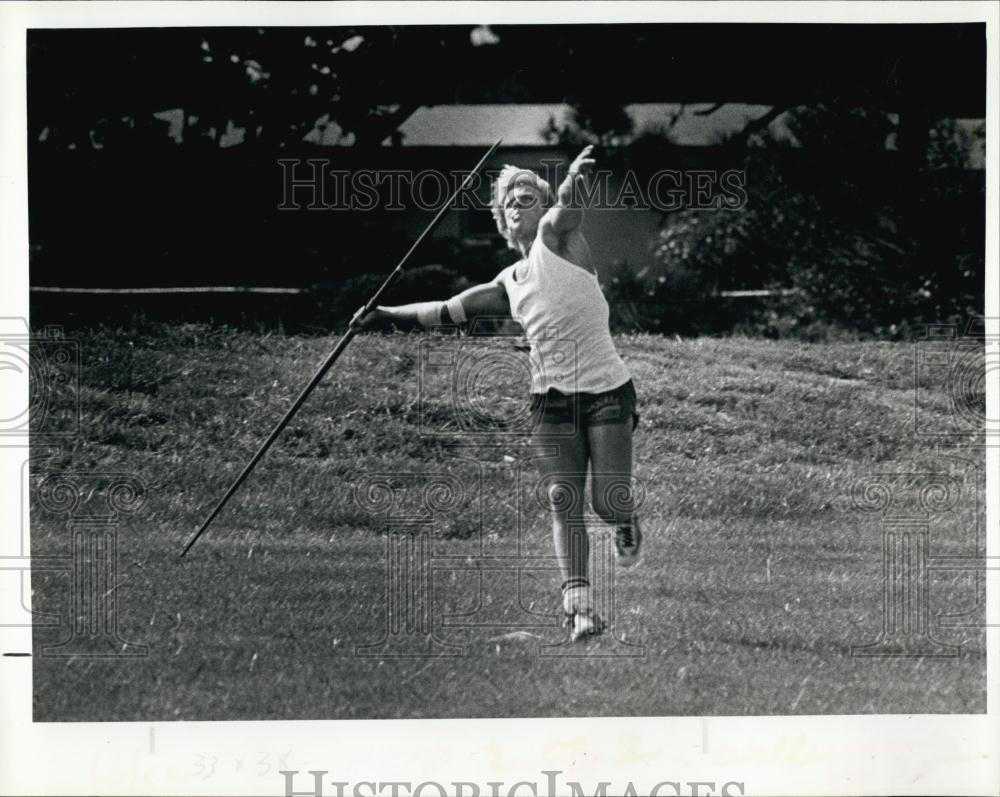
{"x":523,"y":210}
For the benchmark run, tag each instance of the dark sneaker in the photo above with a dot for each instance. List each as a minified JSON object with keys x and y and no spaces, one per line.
{"x":628,"y":543}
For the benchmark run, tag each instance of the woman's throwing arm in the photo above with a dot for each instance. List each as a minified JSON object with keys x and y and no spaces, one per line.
{"x":489,"y":299}
{"x":565,"y":217}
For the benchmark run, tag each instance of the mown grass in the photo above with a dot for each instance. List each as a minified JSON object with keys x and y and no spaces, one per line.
{"x":759,"y":575}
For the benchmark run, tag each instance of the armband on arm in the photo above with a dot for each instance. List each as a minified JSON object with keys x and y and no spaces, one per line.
{"x":456,"y":311}
{"x":429,"y":314}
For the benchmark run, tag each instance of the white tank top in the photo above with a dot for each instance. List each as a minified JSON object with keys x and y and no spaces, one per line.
{"x":565,"y":319}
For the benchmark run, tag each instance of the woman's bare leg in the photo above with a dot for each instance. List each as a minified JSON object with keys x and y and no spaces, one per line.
{"x":613,"y":497}
{"x":561,"y":459}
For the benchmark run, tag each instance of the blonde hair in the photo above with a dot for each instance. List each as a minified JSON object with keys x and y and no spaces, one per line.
{"x":509,"y":177}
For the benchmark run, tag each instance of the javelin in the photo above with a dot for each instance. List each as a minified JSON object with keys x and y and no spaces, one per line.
{"x":332,"y":357}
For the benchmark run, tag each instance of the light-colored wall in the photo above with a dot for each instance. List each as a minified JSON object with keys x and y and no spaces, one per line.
{"x":616,"y":236}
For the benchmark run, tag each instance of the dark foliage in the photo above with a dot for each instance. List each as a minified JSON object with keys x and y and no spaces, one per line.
{"x":858,"y":238}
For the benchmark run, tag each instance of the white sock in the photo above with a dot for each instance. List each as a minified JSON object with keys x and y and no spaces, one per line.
{"x":576,"y":596}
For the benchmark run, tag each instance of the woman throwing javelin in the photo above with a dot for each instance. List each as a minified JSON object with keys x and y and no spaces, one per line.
{"x":584,"y":406}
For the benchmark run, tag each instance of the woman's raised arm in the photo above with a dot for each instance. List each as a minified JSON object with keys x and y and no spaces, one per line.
{"x":565,"y":216}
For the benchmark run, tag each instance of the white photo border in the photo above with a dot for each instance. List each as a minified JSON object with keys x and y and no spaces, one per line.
{"x":921,"y":754}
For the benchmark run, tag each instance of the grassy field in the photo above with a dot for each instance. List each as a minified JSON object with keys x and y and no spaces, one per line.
{"x":759,"y":573}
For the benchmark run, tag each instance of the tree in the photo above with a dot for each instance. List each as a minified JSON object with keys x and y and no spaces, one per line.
{"x":867,"y":243}
{"x":274,"y":84}
{"x":590,"y":122}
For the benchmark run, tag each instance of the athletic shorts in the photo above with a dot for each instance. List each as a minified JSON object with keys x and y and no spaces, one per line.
{"x":586,"y":409}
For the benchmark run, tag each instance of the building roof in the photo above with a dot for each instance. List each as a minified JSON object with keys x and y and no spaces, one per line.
{"x":523,"y":125}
